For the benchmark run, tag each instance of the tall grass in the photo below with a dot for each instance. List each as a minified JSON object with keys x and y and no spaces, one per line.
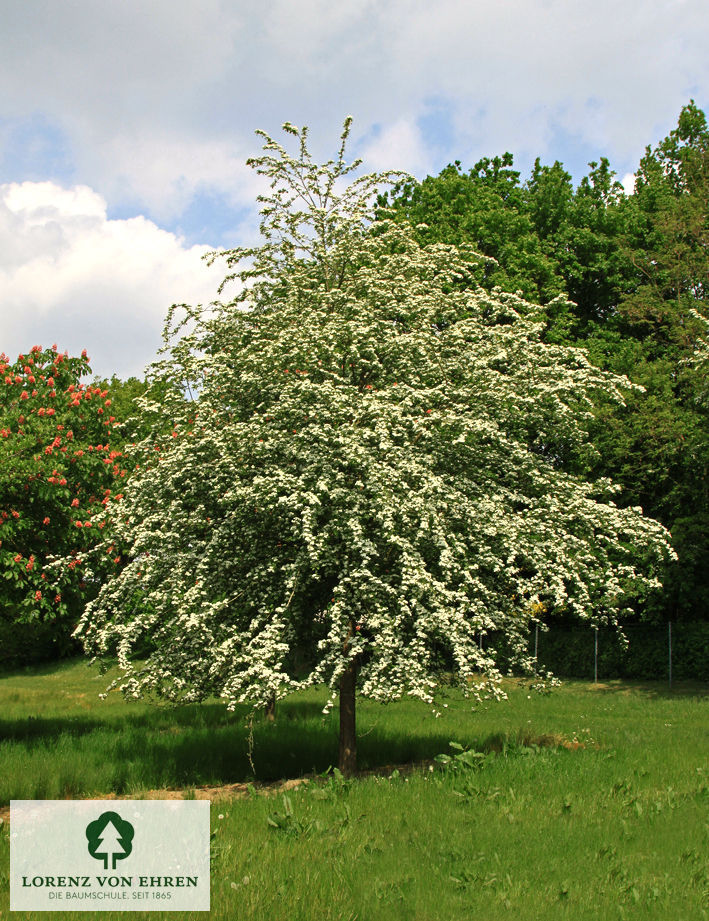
{"x":614,"y":823}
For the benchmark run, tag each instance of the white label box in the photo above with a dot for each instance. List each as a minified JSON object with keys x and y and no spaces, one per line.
{"x":109,"y":855}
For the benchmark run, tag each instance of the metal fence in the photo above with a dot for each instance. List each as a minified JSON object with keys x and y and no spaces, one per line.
{"x":671,"y":652}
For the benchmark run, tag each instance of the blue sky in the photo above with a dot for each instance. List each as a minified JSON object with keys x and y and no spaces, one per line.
{"x":124,"y":128}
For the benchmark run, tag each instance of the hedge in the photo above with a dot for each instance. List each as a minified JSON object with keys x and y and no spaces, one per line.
{"x":24,"y":644}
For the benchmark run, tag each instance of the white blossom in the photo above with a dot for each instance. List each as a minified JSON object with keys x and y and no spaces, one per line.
{"x":372,"y":469}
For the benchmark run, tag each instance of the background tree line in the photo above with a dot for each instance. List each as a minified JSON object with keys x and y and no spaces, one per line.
{"x":632,"y":271}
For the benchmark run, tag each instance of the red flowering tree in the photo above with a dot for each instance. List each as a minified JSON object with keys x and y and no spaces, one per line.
{"x":59,"y":465}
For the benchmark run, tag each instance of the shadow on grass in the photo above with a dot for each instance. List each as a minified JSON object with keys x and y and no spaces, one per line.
{"x":39,"y":669}
{"x":160,"y":719}
{"x":201,"y":745}
{"x":124,"y":749}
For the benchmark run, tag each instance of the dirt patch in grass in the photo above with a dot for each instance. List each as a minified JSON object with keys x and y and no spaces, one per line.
{"x":223,"y":792}
{"x":230,"y":791}
{"x":238,"y":790}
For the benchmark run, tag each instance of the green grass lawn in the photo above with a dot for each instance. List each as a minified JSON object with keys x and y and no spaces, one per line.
{"x":616,"y":827}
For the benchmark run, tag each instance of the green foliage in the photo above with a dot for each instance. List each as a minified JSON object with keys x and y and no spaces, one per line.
{"x":486,"y":207}
{"x":666,"y":236}
{"x":287,"y":822}
{"x":658,"y":446}
{"x":544,"y":237}
{"x":130,"y":425}
{"x":461,"y":760}
{"x":595,"y":269}
{"x":58,"y":467}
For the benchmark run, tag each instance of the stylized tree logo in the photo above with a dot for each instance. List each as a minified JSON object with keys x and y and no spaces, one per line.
{"x":110,"y":839}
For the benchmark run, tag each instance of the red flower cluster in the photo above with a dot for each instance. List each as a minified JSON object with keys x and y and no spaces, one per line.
{"x":70,"y":451}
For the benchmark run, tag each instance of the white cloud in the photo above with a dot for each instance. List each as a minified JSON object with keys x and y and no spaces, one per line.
{"x":151,"y":107}
{"x":628,"y":183}
{"x":158,"y":100}
{"x":399,"y":146}
{"x":165,"y":171}
{"x":72,"y":276}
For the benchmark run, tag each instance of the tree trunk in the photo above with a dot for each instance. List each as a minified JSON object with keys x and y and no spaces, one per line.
{"x":348,"y":732}
{"x":270,"y":709}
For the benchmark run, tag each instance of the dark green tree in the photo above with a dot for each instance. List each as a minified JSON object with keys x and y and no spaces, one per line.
{"x":485,"y":206}
{"x":636,"y":271}
{"x":658,"y":446}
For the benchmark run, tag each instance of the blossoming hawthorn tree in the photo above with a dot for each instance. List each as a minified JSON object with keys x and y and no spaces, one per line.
{"x":57,"y":468}
{"x":370,"y":472}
